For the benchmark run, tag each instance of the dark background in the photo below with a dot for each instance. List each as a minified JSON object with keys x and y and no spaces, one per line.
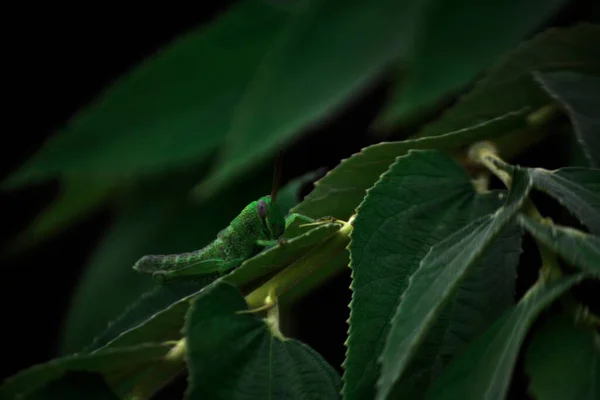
{"x":57,"y":63}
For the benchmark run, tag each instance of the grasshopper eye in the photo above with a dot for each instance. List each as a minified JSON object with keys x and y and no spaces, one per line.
{"x":261,"y":207}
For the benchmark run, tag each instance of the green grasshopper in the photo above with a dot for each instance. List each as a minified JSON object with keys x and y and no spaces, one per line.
{"x":258,"y":226}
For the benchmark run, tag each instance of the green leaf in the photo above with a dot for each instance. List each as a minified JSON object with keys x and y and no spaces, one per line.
{"x":75,"y":386}
{"x":281,"y":255}
{"x":466,"y":40}
{"x":327,"y":54}
{"x":578,"y":189}
{"x":171,"y":110}
{"x":422,"y":199}
{"x":579,"y":94}
{"x":156,"y":220}
{"x":482,"y":297}
{"x":289,"y":195}
{"x":343,"y":188}
{"x":576,"y":247}
{"x":78,"y":197}
{"x":509,"y":85}
{"x":157,"y":316}
{"x":436,"y":280}
{"x":235,"y":356}
{"x":115,"y":365}
{"x":563,"y":361}
{"x":483,"y":370}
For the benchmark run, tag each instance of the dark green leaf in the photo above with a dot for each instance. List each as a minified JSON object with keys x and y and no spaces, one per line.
{"x":484,"y":369}
{"x":563,"y":361}
{"x":75,"y":386}
{"x":281,"y":255}
{"x":510,"y":86}
{"x":157,"y":316}
{"x":482,"y":297}
{"x":576,"y":247}
{"x":78,"y":197}
{"x":578,"y":189}
{"x":579,"y":94}
{"x":328,"y":53}
{"x":462,"y":39}
{"x":113,"y":364}
{"x":342,"y":189}
{"x":421,"y":200}
{"x":171,"y":110}
{"x":289,"y":195}
{"x":436,"y":280}
{"x":233,"y":356}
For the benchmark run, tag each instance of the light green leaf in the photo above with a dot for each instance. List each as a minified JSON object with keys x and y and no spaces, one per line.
{"x":327,"y":54}
{"x":115,"y":365}
{"x":436,"y":280}
{"x":171,"y":110}
{"x":509,"y":85}
{"x":484,"y":369}
{"x":465,"y":38}
{"x":236,"y":356}
{"x":578,"y":189}
{"x":563,"y":361}
{"x":576,"y":247}
{"x":421,"y":200}
{"x":579,"y":94}
{"x":343,"y":188}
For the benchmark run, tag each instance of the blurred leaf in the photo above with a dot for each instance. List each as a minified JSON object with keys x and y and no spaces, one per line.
{"x":329,"y":52}
{"x":343,"y":188}
{"x":578,"y":189}
{"x":437,"y":278}
{"x":458,"y":41}
{"x":78,"y":197}
{"x":579,"y":94}
{"x":171,"y":110}
{"x":423,"y":198}
{"x":157,"y":220}
{"x":289,"y":195}
{"x":484,"y":369}
{"x":576,"y":247}
{"x":236,"y":356}
{"x":509,"y":85}
{"x":563,"y":361}
{"x":75,"y":386}
{"x":113,"y":364}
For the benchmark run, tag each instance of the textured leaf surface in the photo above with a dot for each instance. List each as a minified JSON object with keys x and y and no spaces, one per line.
{"x":578,"y":189}
{"x":579,"y":248}
{"x":172,"y":109}
{"x":557,"y":345}
{"x":484,"y":369}
{"x":510,"y":85}
{"x":579,"y":94}
{"x":234,"y":356}
{"x":420,"y":201}
{"x":113,"y":364}
{"x":478,"y":34}
{"x":342,"y":189}
{"x":328,"y":52}
{"x":437,"y":278}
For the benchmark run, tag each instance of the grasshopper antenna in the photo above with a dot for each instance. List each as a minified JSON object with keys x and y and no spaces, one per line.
{"x":277,"y":175}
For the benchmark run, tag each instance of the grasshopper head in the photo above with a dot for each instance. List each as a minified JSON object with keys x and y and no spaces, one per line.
{"x":271,"y":216}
